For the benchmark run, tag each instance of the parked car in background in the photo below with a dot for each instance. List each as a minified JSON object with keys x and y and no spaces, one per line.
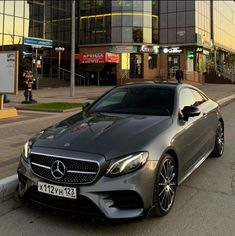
{"x":124,"y":155}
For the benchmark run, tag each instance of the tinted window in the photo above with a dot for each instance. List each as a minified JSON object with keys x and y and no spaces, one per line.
{"x":137,"y":100}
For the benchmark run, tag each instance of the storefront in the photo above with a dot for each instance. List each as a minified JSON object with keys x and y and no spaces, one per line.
{"x":137,"y":63}
{"x":192,"y":60}
{"x":98,"y":68}
{"x":119,"y":64}
{"x":171,"y":61}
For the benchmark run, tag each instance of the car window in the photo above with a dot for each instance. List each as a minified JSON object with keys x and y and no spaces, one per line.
{"x":199,"y":98}
{"x":137,"y":100}
{"x":116,"y":98}
{"x":186,"y":98}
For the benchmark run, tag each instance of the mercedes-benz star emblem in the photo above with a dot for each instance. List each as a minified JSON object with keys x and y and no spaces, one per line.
{"x":58,"y":169}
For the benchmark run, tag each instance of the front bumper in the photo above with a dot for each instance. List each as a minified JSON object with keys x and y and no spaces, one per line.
{"x":126,"y":196}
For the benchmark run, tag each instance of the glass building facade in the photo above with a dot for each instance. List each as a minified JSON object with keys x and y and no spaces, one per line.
{"x":177,"y":22}
{"x":46,"y":19}
{"x":198,"y":22}
{"x":118,"y":21}
{"x":224,"y":24}
{"x":203,"y":23}
{"x":19,"y":19}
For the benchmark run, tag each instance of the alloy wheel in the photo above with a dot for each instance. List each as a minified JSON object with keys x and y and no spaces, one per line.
{"x":220,"y":138}
{"x":167,"y":184}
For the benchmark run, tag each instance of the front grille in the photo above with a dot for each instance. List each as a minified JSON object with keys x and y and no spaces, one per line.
{"x":77,"y":171}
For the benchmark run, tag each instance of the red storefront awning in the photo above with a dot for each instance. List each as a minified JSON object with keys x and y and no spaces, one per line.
{"x":98,"y":58}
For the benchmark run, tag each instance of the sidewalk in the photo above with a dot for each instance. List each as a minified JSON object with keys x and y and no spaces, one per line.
{"x":14,"y":132}
{"x":82,"y":94}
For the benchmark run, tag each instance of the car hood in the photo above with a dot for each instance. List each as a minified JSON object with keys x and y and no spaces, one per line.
{"x":110,"y":135}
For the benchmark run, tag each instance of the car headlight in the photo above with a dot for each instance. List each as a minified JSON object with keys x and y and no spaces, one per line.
{"x":127,"y":164}
{"x":26,"y":151}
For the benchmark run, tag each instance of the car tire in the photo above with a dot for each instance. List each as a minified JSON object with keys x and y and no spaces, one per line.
{"x":219,"y":141}
{"x":165,"y":186}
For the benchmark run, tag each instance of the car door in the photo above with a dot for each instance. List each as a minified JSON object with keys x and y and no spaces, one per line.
{"x":208,"y":121}
{"x":191,"y":137}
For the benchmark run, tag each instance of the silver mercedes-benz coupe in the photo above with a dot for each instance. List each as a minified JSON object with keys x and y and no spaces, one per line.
{"x":124,"y":155}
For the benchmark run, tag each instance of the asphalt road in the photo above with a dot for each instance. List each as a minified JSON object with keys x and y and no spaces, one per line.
{"x":205,"y":205}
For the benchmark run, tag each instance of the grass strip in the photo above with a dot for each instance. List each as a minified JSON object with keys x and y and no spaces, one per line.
{"x":52,"y":106}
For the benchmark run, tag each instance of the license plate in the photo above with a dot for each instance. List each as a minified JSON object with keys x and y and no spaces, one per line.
{"x":56,"y":190}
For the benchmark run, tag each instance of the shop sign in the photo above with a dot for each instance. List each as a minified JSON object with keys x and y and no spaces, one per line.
{"x":149,"y":49}
{"x":199,"y":50}
{"x":97,"y":58}
{"x":92,"y":58}
{"x":123,"y":49}
{"x":112,"y":57}
{"x":175,"y":50}
{"x":206,"y":52}
{"x":125,"y":61}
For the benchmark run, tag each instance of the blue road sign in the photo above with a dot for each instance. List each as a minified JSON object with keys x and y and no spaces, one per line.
{"x":38,"y":42}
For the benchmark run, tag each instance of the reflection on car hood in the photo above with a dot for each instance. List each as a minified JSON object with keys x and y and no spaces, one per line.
{"x":111,"y":135}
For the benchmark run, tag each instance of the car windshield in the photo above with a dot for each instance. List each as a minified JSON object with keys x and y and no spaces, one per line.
{"x":137,"y":100}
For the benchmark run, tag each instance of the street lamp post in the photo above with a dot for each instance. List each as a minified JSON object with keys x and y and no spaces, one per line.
{"x":59,"y":50}
{"x":72,"y":65}
{"x":36,"y":66}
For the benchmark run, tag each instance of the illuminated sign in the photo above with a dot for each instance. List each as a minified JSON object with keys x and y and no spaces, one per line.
{"x":149,"y":49}
{"x":190,"y":55}
{"x":97,"y":58}
{"x":125,"y":61}
{"x":199,"y":50}
{"x":175,"y":50}
{"x":205,"y":52}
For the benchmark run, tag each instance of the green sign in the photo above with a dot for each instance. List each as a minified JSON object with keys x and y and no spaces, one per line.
{"x":123,"y":49}
{"x":190,"y":55}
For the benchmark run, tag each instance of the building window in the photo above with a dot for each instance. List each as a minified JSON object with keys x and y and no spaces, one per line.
{"x":138,"y":35}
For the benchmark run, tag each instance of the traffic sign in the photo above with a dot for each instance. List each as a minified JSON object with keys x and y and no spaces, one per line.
{"x":38,"y":42}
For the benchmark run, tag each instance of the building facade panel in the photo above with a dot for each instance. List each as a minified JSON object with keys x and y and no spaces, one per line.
{"x":224,"y":21}
{"x":46,"y":19}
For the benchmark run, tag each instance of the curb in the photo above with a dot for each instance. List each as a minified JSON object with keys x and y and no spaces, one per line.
{"x":9,"y":184}
{"x":225,"y":101}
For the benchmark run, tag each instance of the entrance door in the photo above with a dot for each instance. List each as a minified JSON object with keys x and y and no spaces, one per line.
{"x":173,"y":64}
{"x":136,"y":66}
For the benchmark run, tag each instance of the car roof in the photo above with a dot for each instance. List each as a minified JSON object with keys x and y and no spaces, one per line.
{"x":152,"y":84}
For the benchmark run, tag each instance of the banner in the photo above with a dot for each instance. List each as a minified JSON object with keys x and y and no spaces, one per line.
{"x":97,"y":58}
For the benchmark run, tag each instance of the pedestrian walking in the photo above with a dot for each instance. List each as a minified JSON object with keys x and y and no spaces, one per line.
{"x":6,"y":99}
{"x":179,"y":75}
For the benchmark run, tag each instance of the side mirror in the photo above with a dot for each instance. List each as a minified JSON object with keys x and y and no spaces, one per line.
{"x":190,"y":111}
{"x":85,"y":105}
